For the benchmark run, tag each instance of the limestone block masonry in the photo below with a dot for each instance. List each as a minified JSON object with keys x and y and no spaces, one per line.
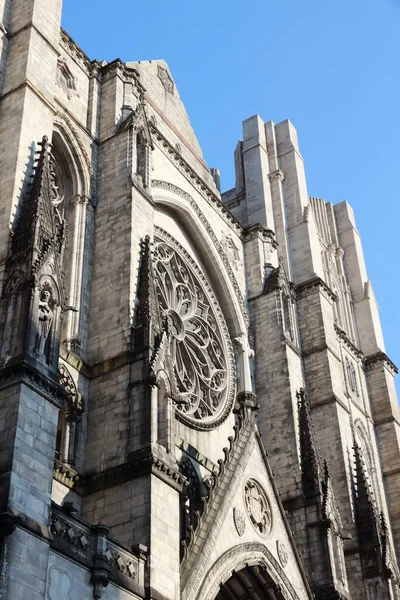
{"x":195,"y":399}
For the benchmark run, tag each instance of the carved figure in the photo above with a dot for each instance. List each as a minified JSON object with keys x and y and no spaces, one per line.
{"x":44,"y":322}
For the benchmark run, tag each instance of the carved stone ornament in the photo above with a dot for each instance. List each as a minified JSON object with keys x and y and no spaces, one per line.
{"x":166,"y":79}
{"x":239,"y":518}
{"x":258,"y":507}
{"x":231,"y":251}
{"x":283,"y":553}
{"x":200,"y":347}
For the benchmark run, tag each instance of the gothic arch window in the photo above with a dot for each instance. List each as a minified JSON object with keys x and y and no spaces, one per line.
{"x":72,"y":186}
{"x":200,"y":346}
{"x":352,"y":378}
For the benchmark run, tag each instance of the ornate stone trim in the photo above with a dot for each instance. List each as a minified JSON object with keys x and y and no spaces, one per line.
{"x":164,"y":185}
{"x":166,"y":79}
{"x":72,"y":48}
{"x":283,"y":553}
{"x":265,"y":234}
{"x":343,"y":337}
{"x":75,"y":135}
{"x":239,"y":519}
{"x":222,"y":415}
{"x":22,"y":373}
{"x":65,"y":475}
{"x":303,"y":288}
{"x":237,"y":558}
{"x":277,"y":175}
{"x":380,"y":359}
{"x":199,"y":185}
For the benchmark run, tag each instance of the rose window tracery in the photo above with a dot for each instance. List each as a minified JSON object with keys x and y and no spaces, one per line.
{"x":199,"y":342}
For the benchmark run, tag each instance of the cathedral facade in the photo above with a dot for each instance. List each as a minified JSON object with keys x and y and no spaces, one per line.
{"x":195,"y":399}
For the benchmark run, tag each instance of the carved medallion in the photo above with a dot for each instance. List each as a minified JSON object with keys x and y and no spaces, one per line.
{"x":283,"y":553}
{"x":258,"y":507}
{"x":200,"y":347}
{"x":239,"y":518}
{"x":166,"y":79}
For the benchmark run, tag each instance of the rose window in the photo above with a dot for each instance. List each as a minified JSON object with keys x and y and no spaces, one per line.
{"x":199,"y":343}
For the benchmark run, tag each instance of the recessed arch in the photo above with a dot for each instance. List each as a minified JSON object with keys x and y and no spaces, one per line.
{"x":204,"y":240}
{"x":246,"y":567}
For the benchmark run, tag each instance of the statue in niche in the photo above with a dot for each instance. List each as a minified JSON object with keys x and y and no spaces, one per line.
{"x":44,"y":322}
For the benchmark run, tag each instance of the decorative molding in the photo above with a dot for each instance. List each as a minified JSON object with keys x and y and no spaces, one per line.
{"x":23,"y":373}
{"x":222,"y":483}
{"x":239,"y":519}
{"x":372,"y":361}
{"x":276,"y":175}
{"x":164,"y":185}
{"x":283,"y":553}
{"x":73,"y":50}
{"x":302,"y":289}
{"x":196,"y":181}
{"x":65,"y":475}
{"x":75,"y":135}
{"x":344,"y":338}
{"x":166,"y":79}
{"x":237,"y":558}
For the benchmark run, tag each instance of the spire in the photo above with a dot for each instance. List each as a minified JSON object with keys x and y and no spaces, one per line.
{"x":33,"y":289}
{"x":39,"y":224}
{"x":309,"y":456}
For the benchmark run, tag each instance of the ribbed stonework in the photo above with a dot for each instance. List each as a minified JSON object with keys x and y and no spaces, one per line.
{"x":195,"y":399}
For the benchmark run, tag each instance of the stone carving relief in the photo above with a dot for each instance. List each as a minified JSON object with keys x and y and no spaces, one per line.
{"x":45,"y":319}
{"x":199,"y":344}
{"x":257,"y":506}
{"x":166,"y":79}
{"x":283,"y":553}
{"x":239,"y":518}
{"x":59,"y":584}
{"x":231,"y":251}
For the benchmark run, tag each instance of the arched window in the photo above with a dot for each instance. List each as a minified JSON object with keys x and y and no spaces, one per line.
{"x":72,"y":189}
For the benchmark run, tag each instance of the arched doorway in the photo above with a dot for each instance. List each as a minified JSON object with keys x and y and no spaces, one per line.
{"x":252,"y":583}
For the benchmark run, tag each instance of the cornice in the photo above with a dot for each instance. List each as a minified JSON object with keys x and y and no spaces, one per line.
{"x":379,"y":359}
{"x":26,"y":374}
{"x":139,"y":463}
{"x":343,"y":337}
{"x":263,"y":233}
{"x":74,"y":51}
{"x":304,"y":287}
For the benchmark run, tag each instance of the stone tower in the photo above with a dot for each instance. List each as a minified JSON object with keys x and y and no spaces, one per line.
{"x":157,"y":339}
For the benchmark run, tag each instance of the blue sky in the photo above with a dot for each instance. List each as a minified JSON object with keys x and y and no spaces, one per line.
{"x":331,"y":68}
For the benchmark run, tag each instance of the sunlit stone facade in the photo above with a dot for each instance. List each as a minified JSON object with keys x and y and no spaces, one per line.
{"x":195,"y":400}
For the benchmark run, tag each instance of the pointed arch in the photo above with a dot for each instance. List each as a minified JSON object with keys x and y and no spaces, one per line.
{"x":239,"y":558}
{"x":203,"y":238}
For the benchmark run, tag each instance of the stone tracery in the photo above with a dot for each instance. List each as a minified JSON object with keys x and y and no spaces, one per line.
{"x":198,"y":342}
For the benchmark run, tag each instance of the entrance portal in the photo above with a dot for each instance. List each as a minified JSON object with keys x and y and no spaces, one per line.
{"x":250,"y":583}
